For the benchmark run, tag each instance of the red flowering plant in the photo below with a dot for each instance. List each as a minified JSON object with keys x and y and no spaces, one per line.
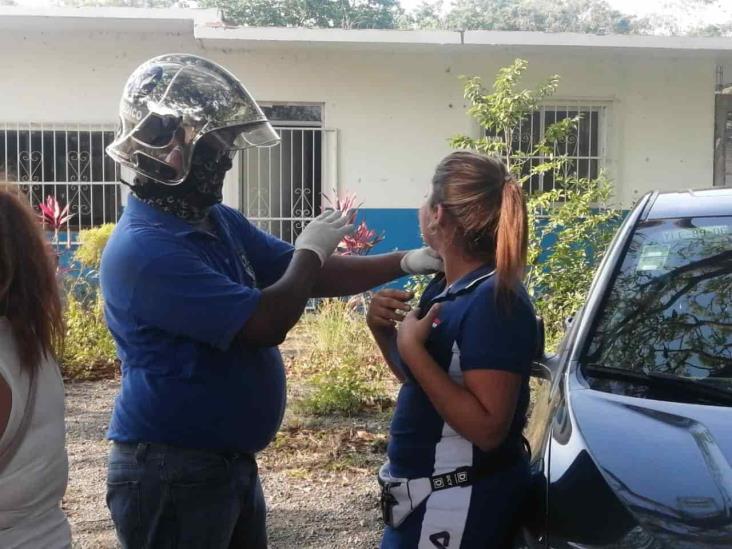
{"x":363,"y":239}
{"x":360,"y":242}
{"x":54,"y":217}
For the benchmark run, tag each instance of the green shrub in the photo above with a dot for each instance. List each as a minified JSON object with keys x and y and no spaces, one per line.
{"x":576,"y":215}
{"x":91,"y":245}
{"x":581,"y":224}
{"x":344,"y":368}
{"x":417,"y":285}
{"x":340,"y":390}
{"x":89,"y":351}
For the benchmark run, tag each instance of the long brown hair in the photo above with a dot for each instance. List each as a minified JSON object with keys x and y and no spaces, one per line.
{"x":488,"y":207}
{"x":29,"y":295}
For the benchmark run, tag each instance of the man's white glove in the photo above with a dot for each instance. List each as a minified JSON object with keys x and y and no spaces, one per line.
{"x":324,"y":233}
{"x":422,"y":261}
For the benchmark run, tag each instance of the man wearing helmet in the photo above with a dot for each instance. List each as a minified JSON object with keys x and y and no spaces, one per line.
{"x":198,"y":299}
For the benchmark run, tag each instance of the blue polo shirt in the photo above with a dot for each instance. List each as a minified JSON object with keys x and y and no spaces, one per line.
{"x":473,"y":332}
{"x":175,"y":298}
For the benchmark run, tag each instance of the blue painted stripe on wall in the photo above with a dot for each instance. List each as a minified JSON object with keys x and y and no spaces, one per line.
{"x":399,"y":225}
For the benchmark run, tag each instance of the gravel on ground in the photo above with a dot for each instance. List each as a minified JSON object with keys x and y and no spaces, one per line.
{"x":319,"y":475}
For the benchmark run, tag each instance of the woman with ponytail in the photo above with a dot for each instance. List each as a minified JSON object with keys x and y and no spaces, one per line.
{"x":458,"y":468}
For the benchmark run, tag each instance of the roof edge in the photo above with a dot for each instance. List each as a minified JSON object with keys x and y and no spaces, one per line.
{"x":214,"y":32}
{"x":196,"y":15}
{"x":208,"y":26}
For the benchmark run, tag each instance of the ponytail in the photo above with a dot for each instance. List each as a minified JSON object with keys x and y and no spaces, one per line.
{"x":488,"y":206}
{"x":511,"y":239}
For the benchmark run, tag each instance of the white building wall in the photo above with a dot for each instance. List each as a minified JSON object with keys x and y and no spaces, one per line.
{"x":393,"y":107}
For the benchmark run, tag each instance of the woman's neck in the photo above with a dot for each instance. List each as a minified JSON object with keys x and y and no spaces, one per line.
{"x":457,"y":265}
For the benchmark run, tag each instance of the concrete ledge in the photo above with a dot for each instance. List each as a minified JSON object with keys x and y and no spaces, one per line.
{"x":129,"y":20}
{"x":212,"y":32}
{"x":207,"y":26}
{"x":566,"y":39}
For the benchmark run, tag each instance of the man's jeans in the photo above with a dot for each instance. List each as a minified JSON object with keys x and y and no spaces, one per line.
{"x":165,"y":497}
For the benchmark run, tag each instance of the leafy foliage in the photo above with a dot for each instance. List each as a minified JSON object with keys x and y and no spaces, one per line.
{"x":586,"y":16}
{"x":676,"y":17}
{"x":692,"y":18}
{"x":571,"y":225}
{"x":500,"y":113}
{"x":343,"y":14}
{"x":130,"y":3}
{"x":417,"y":285}
{"x":90,"y":349}
{"x":91,"y":246}
{"x":343,"y":365}
{"x":53,"y":215}
{"x":363,"y":239}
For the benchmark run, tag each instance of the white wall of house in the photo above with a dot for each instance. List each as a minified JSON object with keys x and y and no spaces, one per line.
{"x":393,"y":106}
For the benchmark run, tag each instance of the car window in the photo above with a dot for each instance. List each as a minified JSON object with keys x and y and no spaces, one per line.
{"x":669,"y":309}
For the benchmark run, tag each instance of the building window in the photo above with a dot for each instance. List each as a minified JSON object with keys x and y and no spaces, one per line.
{"x":586,"y":146}
{"x":281,"y":186}
{"x":67,"y":163}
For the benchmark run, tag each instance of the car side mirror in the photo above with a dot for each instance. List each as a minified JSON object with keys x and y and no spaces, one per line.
{"x":540,"y":339}
{"x":568,"y":323}
{"x":542,"y":365}
{"x":540,"y":370}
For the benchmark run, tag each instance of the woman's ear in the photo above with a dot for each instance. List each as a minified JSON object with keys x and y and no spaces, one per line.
{"x":446,"y":223}
{"x":434,"y":215}
{"x":438,"y":214}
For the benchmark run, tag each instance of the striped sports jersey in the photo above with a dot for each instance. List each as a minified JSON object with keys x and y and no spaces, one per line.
{"x":472,"y":331}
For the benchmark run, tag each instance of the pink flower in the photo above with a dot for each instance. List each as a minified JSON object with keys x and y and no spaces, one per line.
{"x":363,"y":239}
{"x":53,"y":215}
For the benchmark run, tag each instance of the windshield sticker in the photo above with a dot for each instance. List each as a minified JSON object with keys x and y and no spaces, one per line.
{"x":653,"y":257}
{"x":697,"y":232}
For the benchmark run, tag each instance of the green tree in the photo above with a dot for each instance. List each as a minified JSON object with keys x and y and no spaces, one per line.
{"x":128,"y":3}
{"x":344,"y":14}
{"x":587,"y":16}
{"x":691,"y":18}
{"x":572,"y":224}
{"x":427,"y":16}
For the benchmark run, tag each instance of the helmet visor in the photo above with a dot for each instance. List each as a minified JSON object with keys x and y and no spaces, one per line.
{"x":261,"y":134}
{"x":258,"y":135}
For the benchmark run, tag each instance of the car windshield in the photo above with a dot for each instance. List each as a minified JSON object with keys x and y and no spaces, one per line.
{"x":669,"y":309}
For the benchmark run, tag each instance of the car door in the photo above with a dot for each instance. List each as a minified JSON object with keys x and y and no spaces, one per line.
{"x":546,"y":378}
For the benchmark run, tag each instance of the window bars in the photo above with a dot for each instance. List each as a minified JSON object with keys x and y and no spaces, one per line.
{"x":66,"y":162}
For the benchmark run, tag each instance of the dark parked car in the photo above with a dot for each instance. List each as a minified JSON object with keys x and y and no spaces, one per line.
{"x":631,"y":432}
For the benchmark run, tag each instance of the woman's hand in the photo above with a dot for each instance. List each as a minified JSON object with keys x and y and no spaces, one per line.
{"x":413,"y":332}
{"x":387,"y":307}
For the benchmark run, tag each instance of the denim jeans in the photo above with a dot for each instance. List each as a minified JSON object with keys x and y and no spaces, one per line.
{"x":165,"y":497}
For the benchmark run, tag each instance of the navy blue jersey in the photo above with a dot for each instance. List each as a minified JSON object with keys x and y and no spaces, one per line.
{"x":473,"y":331}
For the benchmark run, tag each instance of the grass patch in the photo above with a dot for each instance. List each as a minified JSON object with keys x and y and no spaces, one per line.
{"x":302,"y":449}
{"x":89,"y":352}
{"x":344,"y":371}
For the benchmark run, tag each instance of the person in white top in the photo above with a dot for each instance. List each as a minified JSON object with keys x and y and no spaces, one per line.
{"x":33,"y":462}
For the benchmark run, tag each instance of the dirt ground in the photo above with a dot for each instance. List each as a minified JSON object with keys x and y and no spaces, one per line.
{"x":318,"y":475}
